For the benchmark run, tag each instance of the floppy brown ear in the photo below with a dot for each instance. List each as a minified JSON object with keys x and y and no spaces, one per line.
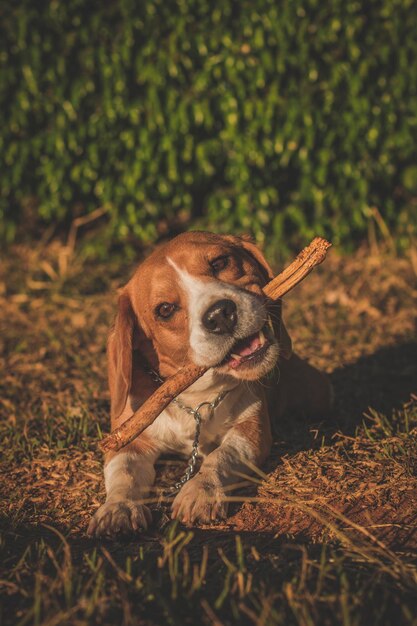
{"x":284,"y":341}
{"x":129,"y":353}
{"x":281,"y":333}
{"x":120,"y":354}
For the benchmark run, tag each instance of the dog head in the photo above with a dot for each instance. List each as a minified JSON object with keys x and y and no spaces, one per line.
{"x":197,"y":299}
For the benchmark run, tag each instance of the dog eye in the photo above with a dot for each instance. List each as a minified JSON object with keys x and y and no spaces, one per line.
{"x":165,"y":310}
{"x":219,"y":264}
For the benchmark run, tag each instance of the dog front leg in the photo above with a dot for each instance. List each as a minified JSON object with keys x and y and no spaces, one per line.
{"x":203,"y":498}
{"x":129,"y":475}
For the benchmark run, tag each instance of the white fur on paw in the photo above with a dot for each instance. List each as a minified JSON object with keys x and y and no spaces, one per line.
{"x":200,"y":501}
{"x":113,"y":518}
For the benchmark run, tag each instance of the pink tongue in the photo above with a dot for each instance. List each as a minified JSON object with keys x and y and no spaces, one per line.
{"x":250,"y":347}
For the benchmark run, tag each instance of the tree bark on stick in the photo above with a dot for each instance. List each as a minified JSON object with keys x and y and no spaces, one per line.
{"x":309,"y":257}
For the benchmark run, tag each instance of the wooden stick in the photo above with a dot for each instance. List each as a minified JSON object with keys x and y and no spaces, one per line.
{"x":152,"y":407}
{"x":308,"y":258}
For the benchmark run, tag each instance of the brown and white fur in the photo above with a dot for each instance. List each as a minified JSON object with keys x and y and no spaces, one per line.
{"x":213,"y":313}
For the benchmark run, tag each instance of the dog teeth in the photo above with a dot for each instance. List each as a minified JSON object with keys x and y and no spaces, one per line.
{"x":235,"y":356}
{"x":262,"y":337}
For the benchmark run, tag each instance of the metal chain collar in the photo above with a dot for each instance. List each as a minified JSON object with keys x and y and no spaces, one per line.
{"x":196,"y":413}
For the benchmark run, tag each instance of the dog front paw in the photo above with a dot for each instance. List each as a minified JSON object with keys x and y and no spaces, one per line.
{"x":123,"y":517}
{"x":200,"y":500}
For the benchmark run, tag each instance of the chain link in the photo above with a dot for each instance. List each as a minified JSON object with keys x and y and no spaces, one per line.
{"x":196,"y":413}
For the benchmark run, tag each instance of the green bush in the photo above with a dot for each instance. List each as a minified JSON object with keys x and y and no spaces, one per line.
{"x":284,"y":118}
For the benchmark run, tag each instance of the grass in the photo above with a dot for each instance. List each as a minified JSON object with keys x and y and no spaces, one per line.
{"x":326,"y":534}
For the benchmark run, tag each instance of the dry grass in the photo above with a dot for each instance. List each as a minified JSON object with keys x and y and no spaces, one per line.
{"x":329,"y":534}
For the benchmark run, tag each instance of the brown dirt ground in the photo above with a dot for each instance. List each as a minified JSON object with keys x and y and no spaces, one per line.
{"x":355,"y":317}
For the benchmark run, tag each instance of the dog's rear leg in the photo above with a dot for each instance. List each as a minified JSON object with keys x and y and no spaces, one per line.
{"x":302,"y":390}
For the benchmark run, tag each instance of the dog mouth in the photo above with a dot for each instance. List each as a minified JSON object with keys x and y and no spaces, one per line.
{"x":249,"y":351}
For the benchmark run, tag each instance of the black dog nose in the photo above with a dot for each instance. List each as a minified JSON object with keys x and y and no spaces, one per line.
{"x":221,"y":317}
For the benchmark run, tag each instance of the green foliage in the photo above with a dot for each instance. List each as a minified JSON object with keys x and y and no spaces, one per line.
{"x":281,"y":118}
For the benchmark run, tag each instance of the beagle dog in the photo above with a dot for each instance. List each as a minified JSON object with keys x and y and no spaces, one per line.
{"x":198,"y":299}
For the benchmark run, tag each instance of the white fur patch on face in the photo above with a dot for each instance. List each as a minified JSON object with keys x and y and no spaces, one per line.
{"x":207,"y":348}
